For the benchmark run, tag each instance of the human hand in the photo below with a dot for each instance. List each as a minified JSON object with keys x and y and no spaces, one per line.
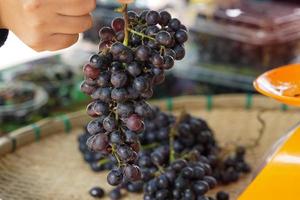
{"x":47,"y":24}
{"x":126,"y":1}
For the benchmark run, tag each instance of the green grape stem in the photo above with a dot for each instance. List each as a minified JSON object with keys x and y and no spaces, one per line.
{"x":126,"y":26}
{"x":140,"y":34}
{"x":116,"y":155}
{"x":103,"y":161}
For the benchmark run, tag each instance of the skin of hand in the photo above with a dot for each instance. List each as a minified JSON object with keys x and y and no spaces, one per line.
{"x":47,"y":24}
{"x":125,"y":1}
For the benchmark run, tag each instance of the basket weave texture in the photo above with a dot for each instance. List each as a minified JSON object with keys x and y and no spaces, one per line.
{"x":53,"y":169}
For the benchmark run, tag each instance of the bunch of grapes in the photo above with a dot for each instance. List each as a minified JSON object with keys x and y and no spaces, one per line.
{"x":195,"y":150}
{"x":133,"y":55}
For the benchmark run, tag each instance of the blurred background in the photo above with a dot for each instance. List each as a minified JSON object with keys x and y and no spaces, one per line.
{"x":231,"y":42}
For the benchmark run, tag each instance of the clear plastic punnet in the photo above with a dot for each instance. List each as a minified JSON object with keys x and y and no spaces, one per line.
{"x":252,"y":36}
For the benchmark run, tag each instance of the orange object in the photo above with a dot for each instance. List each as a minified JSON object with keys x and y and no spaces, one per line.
{"x":282,"y":84}
{"x":280,"y":178}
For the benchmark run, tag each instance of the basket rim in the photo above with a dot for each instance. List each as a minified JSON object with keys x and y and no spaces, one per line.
{"x":65,"y":123}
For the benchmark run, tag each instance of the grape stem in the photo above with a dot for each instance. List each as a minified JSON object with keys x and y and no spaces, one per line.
{"x":103,"y":161}
{"x":140,"y":34}
{"x":150,"y":146}
{"x":116,"y":155}
{"x":173,"y":134}
{"x":126,"y":26}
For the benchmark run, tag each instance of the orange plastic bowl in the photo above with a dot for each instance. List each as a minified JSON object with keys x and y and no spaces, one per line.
{"x":282,"y":84}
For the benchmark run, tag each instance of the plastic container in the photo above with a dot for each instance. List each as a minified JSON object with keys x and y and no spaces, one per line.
{"x":249,"y":37}
{"x":51,"y":73}
{"x":20,"y":99}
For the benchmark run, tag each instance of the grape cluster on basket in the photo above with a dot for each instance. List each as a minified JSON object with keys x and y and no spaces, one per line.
{"x":133,"y":55}
{"x":179,"y":159}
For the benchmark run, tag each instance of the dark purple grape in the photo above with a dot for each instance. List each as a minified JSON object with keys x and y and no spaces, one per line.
{"x":125,"y":109}
{"x":116,"y":66}
{"x":118,"y":79}
{"x":125,"y":153}
{"x":163,"y":38}
{"x":95,"y":126}
{"x":109,"y":124}
{"x":165,"y":17}
{"x":145,"y":161}
{"x":100,"y":61}
{"x":98,"y":142}
{"x":120,"y":36}
{"x":118,"y":24}
{"x":134,"y":69}
{"x":100,"y":108}
{"x":188,"y":194}
{"x":143,"y":109}
{"x":90,"y":71}
{"x":142,"y":15}
{"x":119,"y":94}
{"x":222,"y":196}
{"x":200,"y":187}
{"x":132,"y":16}
{"x":104,"y":45}
{"x":103,"y":94}
{"x":97,"y":192}
{"x":179,"y":52}
{"x":104,"y":79}
{"x":199,"y":172}
{"x":163,"y":182}
{"x":157,"y":60}
{"x":125,"y":56}
{"x":174,"y":24}
{"x":212,"y":182}
{"x":130,"y":137}
{"x":117,"y":48}
{"x":91,"y":82}
{"x":162,"y":194}
{"x":170,"y":52}
{"x":152,"y":18}
{"x":135,"y":40}
{"x":90,"y":111}
{"x":135,"y":146}
{"x":116,"y":138}
{"x":178,"y":165}
{"x":151,"y":30}
{"x":132,"y":172}
{"x":187,"y":172}
{"x":115,"y":194}
{"x":168,"y":62}
{"x":159,"y":76}
{"x":153,"y":44}
{"x":86,"y":88}
{"x":142,"y":53}
{"x":134,"y":122}
{"x":115,"y":177}
{"x":132,"y":93}
{"x":141,"y":84}
{"x":106,"y":34}
{"x":136,"y":186}
{"x":181,"y":36}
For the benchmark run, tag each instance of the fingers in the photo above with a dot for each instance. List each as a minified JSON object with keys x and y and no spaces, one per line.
{"x":71,"y":25}
{"x":126,"y":1}
{"x":75,"y":7}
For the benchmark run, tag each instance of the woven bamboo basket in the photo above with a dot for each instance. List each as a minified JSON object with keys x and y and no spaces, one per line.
{"x":42,"y":160}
